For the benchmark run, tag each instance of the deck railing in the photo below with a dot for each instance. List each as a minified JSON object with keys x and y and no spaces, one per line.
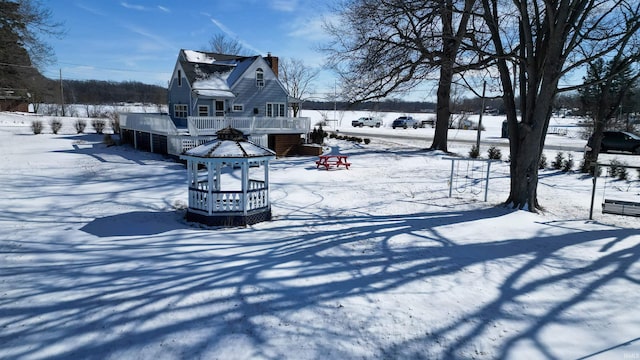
{"x":150,"y":123}
{"x":201,"y":126}
{"x":203,"y":129}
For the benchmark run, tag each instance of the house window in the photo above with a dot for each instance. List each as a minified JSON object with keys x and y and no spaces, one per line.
{"x":180,"y":111}
{"x":238,"y":107}
{"x":179,"y":77}
{"x":259,"y":77}
{"x":276,"y":110}
{"x":203,"y":110}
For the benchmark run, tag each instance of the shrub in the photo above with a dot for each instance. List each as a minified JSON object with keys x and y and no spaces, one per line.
{"x":542,"y":164}
{"x":80,"y":125}
{"x":474,"y":152}
{"x":317,"y":135}
{"x":108,"y":140}
{"x":623,"y":174}
{"x":114,"y":118}
{"x":559,"y":160}
{"x":98,"y":125}
{"x":494,"y":153}
{"x":567,"y":165}
{"x":56,"y":125}
{"x":367,"y":141}
{"x":584,"y":167}
{"x":618,"y":171}
{"x":36,"y":127}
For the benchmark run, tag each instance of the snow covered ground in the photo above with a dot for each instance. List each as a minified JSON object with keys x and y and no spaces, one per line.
{"x":375,"y":262}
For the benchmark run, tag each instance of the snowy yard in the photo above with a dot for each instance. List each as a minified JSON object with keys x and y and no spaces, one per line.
{"x":375,"y":262}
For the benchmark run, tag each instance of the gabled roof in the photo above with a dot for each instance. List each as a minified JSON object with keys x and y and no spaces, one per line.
{"x":213,"y":74}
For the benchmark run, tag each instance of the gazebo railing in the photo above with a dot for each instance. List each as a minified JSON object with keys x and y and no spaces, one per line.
{"x":228,"y":201}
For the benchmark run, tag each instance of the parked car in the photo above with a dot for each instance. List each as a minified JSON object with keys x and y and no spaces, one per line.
{"x":617,"y":141}
{"x":366,"y":121}
{"x":405,"y":122}
{"x":429,"y":122}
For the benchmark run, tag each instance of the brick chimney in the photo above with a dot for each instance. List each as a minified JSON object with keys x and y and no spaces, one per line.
{"x":273,"y":62}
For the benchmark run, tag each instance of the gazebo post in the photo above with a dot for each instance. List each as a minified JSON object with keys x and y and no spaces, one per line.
{"x":210,"y":187}
{"x":245,"y":186}
{"x":218,"y":167}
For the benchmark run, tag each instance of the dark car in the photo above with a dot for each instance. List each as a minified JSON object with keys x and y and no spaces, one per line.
{"x":405,"y":122}
{"x":618,"y":141}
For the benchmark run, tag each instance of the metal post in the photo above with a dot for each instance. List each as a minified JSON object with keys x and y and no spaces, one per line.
{"x":62,"y":94}
{"x":451,"y":177}
{"x":486,"y":181}
{"x":593,"y":191}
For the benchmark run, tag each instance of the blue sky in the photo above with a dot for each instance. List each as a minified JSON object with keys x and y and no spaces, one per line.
{"x":139,"y":40}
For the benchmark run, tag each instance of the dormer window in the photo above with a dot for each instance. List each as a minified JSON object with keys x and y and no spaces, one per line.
{"x":259,"y":77}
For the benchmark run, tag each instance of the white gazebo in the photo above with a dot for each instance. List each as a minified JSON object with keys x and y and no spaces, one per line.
{"x":228,"y":181}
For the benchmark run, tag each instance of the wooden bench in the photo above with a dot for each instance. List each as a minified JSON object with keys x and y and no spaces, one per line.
{"x":621,"y":207}
{"x":332,"y":160}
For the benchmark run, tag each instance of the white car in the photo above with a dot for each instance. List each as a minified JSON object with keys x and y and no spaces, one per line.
{"x":366,"y":121}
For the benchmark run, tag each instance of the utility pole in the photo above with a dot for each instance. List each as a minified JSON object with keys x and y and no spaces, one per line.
{"x":61,"y":94}
{"x":335,"y":104}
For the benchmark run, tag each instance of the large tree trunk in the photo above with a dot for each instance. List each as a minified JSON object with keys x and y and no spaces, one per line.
{"x":524,"y":170}
{"x":449,"y":50}
{"x":591,"y":156}
{"x":443,"y":110}
{"x":526,"y":148}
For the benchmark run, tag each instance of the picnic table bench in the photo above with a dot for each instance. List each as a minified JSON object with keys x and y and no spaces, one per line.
{"x":332,"y":160}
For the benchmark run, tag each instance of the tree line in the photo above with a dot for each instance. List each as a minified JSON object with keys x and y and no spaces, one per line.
{"x":109,"y":92}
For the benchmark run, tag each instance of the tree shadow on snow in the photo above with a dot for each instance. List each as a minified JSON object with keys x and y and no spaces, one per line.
{"x":195,"y":294}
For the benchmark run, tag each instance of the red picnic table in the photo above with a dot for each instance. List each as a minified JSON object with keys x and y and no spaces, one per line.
{"x":332,"y":160}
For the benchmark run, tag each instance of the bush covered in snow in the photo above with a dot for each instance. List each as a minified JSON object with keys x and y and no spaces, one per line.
{"x":80,"y":125}
{"x":56,"y":125}
{"x":36,"y":127}
{"x":98,"y":125}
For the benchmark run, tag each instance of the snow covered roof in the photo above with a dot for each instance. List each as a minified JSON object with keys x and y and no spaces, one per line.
{"x":213,"y":85}
{"x":229,"y":149}
{"x":211,"y":74}
{"x":199,"y":57}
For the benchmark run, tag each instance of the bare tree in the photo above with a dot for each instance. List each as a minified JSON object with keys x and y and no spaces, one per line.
{"x":298,"y":79}
{"x":390,"y":46}
{"x":221,"y":44}
{"x":547,"y":40}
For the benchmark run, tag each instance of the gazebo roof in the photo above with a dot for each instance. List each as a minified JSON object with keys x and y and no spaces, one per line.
{"x":238,"y":149}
